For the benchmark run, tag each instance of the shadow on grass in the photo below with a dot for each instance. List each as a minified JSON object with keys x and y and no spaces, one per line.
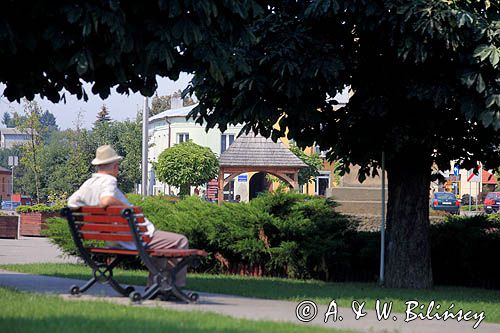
{"x":77,"y":324}
{"x":273,"y":288}
{"x":294,"y":289}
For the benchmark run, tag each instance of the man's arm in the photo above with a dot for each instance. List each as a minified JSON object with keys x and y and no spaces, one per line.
{"x":111,"y":201}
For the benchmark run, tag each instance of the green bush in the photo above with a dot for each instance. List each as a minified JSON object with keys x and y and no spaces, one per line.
{"x":39,"y":208}
{"x":463,"y":249}
{"x":283,"y":234}
{"x":295,"y":235}
{"x":60,"y":235}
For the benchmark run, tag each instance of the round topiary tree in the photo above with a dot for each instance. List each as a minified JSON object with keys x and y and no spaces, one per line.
{"x":186,"y":164}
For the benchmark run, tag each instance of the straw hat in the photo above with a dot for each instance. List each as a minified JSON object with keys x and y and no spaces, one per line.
{"x":105,"y":155}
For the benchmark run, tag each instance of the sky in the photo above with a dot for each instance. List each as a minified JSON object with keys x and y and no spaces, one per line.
{"x":120,"y":107}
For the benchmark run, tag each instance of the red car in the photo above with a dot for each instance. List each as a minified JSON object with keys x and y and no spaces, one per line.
{"x":492,"y":202}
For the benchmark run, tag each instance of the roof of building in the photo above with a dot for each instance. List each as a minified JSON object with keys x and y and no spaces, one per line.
{"x":251,"y":150}
{"x":2,"y":169}
{"x":180,"y":112}
{"x":488,"y":178}
{"x":8,"y":130}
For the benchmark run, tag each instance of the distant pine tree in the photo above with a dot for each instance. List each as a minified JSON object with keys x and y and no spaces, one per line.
{"x":7,"y":120}
{"x":103,"y":115}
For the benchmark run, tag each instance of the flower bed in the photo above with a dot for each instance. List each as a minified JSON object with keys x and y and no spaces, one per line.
{"x":33,"y":219}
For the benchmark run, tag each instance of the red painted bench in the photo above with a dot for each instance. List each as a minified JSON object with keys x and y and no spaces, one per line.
{"x":123,"y":224}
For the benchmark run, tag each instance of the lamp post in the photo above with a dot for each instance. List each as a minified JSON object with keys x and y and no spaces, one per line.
{"x":145,"y":119}
{"x":13,"y":161}
{"x":382,"y":226}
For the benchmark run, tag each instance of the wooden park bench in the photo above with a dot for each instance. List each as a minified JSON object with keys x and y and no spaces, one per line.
{"x":123,"y":224}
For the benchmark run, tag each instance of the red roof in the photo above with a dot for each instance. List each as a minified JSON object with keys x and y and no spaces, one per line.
{"x":489,"y":178}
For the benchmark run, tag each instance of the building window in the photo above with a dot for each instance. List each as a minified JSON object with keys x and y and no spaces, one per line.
{"x":182,"y":137}
{"x":225,"y":141}
{"x":321,"y":183}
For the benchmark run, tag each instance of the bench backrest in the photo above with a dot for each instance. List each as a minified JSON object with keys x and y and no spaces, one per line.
{"x":108,"y":224}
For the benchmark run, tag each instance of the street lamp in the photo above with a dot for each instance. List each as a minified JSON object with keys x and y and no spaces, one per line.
{"x":145,"y":120}
{"x":13,"y":162}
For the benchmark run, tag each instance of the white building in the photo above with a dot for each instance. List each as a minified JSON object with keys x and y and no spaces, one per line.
{"x":171,"y":127}
{"x":10,"y":137}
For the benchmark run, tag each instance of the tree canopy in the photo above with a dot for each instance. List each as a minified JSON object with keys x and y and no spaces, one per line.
{"x":7,"y":120}
{"x":186,"y":164}
{"x":313,"y":161}
{"x":111,"y":43}
{"x":423,"y":75}
{"x":425,"y":88}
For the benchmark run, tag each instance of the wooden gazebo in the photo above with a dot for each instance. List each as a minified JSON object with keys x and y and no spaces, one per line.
{"x":250,"y":153}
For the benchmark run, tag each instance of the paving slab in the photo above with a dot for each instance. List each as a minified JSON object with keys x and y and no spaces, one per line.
{"x":249,"y":308}
{"x":27,"y":250}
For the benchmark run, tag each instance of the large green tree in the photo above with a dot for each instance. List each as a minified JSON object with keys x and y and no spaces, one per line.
{"x":32,"y":149}
{"x":425,"y":88}
{"x":423,"y":73}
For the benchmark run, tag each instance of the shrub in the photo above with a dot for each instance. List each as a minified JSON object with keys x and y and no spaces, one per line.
{"x":295,"y":235}
{"x":284,"y":234}
{"x":462,"y":249}
{"x":39,"y":208}
{"x":60,"y":235}
{"x":305,"y":235}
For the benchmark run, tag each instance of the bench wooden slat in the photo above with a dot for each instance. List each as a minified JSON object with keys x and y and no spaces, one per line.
{"x":108,"y":227}
{"x":113,"y":237}
{"x":105,"y":219}
{"x":177,"y":253}
{"x":157,"y":253}
{"x":112,"y":210}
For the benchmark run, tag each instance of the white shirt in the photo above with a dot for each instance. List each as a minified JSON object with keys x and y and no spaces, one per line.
{"x":102,"y":185}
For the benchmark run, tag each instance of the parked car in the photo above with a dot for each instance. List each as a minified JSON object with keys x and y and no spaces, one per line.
{"x":492,"y":202}
{"x":10,"y":205}
{"x":445,"y":201}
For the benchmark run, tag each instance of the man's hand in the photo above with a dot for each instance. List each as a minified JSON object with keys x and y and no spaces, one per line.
{"x":110,"y":201}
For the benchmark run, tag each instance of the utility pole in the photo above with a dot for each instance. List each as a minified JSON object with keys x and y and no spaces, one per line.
{"x":145,"y":120}
{"x":13,"y":161}
{"x":382,"y":226}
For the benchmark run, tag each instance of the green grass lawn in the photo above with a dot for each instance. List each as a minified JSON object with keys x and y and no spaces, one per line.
{"x":26,"y":312}
{"x":294,"y":290}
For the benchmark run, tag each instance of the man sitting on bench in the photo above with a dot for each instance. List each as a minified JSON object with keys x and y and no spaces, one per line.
{"x":102,"y":190}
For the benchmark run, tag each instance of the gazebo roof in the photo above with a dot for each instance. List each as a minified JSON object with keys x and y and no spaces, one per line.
{"x":257,"y":151}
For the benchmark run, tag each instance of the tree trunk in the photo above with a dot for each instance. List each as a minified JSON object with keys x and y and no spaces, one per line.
{"x":408,"y":254}
{"x":185,"y":189}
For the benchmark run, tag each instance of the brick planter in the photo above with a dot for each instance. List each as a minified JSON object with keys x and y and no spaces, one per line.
{"x":9,"y":226}
{"x":32,"y":224}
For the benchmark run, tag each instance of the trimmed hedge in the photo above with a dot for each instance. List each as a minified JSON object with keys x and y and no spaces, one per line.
{"x":279,"y":234}
{"x":464,"y":250}
{"x":38,"y":208}
{"x":295,"y":235}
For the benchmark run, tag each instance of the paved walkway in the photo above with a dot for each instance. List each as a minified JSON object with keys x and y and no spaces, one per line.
{"x":26,"y":250}
{"x":235,"y":306}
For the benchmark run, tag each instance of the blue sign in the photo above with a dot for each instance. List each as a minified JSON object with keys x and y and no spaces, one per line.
{"x":456,"y":170}
{"x":242,"y":178}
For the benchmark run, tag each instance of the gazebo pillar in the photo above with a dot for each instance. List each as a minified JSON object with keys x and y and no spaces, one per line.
{"x":295,"y":183}
{"x":220,"y":191}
